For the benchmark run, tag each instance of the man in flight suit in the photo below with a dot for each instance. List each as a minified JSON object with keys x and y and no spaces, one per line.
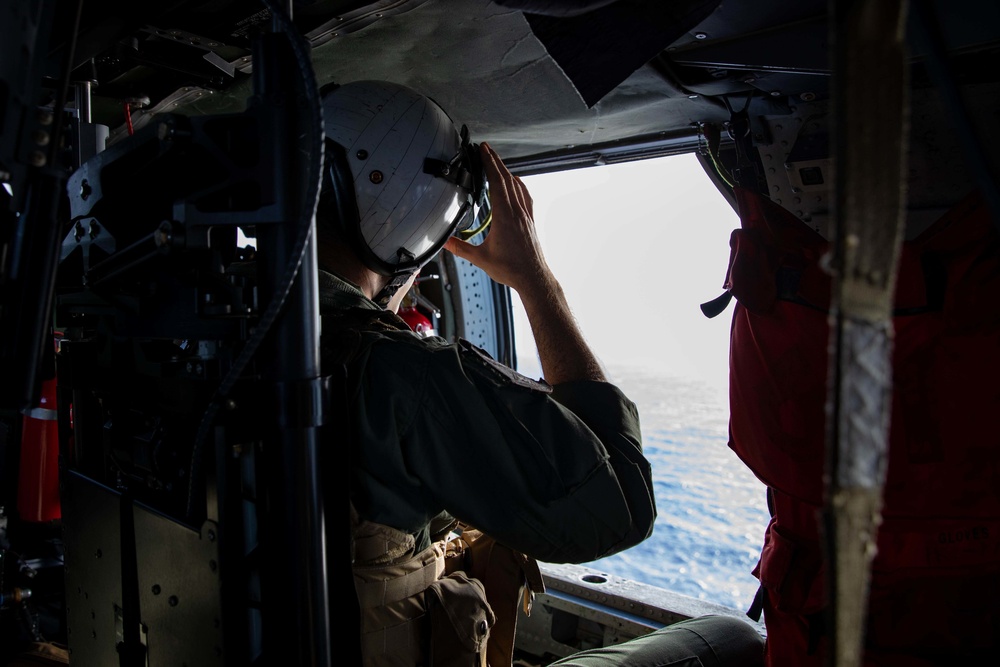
{"x":551,"y":470}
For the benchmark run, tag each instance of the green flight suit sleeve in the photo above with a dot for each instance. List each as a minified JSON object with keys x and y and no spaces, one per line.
{"x":557,"y":473}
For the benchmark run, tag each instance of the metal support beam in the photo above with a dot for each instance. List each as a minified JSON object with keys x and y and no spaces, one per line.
{"x":871,"y":90}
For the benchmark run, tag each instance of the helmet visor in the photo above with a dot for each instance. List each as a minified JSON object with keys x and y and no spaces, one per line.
{"x":480,"y":214}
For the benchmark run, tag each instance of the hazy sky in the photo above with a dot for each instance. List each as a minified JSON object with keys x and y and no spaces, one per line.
{"x":638,"y":247}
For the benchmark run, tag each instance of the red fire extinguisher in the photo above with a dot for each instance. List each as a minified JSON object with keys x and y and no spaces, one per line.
{"x":417,"y":321}
{"x":38,"y":479}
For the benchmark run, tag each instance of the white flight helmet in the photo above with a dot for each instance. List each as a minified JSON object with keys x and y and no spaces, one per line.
{"x":398,"y":173}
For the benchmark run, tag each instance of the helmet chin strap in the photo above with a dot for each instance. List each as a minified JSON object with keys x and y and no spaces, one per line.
{"x":391,"y":287}
{"x":397,"y":280}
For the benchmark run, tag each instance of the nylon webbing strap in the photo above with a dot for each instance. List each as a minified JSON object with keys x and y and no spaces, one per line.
{"x":871,"y":91}
{"x":377,"y":593}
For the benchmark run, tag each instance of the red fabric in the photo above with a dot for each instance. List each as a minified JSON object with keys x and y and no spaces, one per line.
{"x":936,"y":576}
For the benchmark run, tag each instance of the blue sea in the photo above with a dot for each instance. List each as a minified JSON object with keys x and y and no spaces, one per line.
{"x":711,"y":509}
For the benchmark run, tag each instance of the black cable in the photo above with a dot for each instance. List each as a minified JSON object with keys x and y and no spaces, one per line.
{"x":63,"y":94}
{"x":284,"y":287}
{"x":711,"y":153}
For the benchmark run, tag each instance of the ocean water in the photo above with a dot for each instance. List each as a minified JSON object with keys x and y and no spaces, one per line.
{"x":711,"y":510}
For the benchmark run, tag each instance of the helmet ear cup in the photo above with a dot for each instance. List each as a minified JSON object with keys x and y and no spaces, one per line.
{"x":339,"y":208}
{"x":338,"y":204}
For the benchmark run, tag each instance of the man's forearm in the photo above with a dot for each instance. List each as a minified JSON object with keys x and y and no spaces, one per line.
{"x":562,"y":350}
